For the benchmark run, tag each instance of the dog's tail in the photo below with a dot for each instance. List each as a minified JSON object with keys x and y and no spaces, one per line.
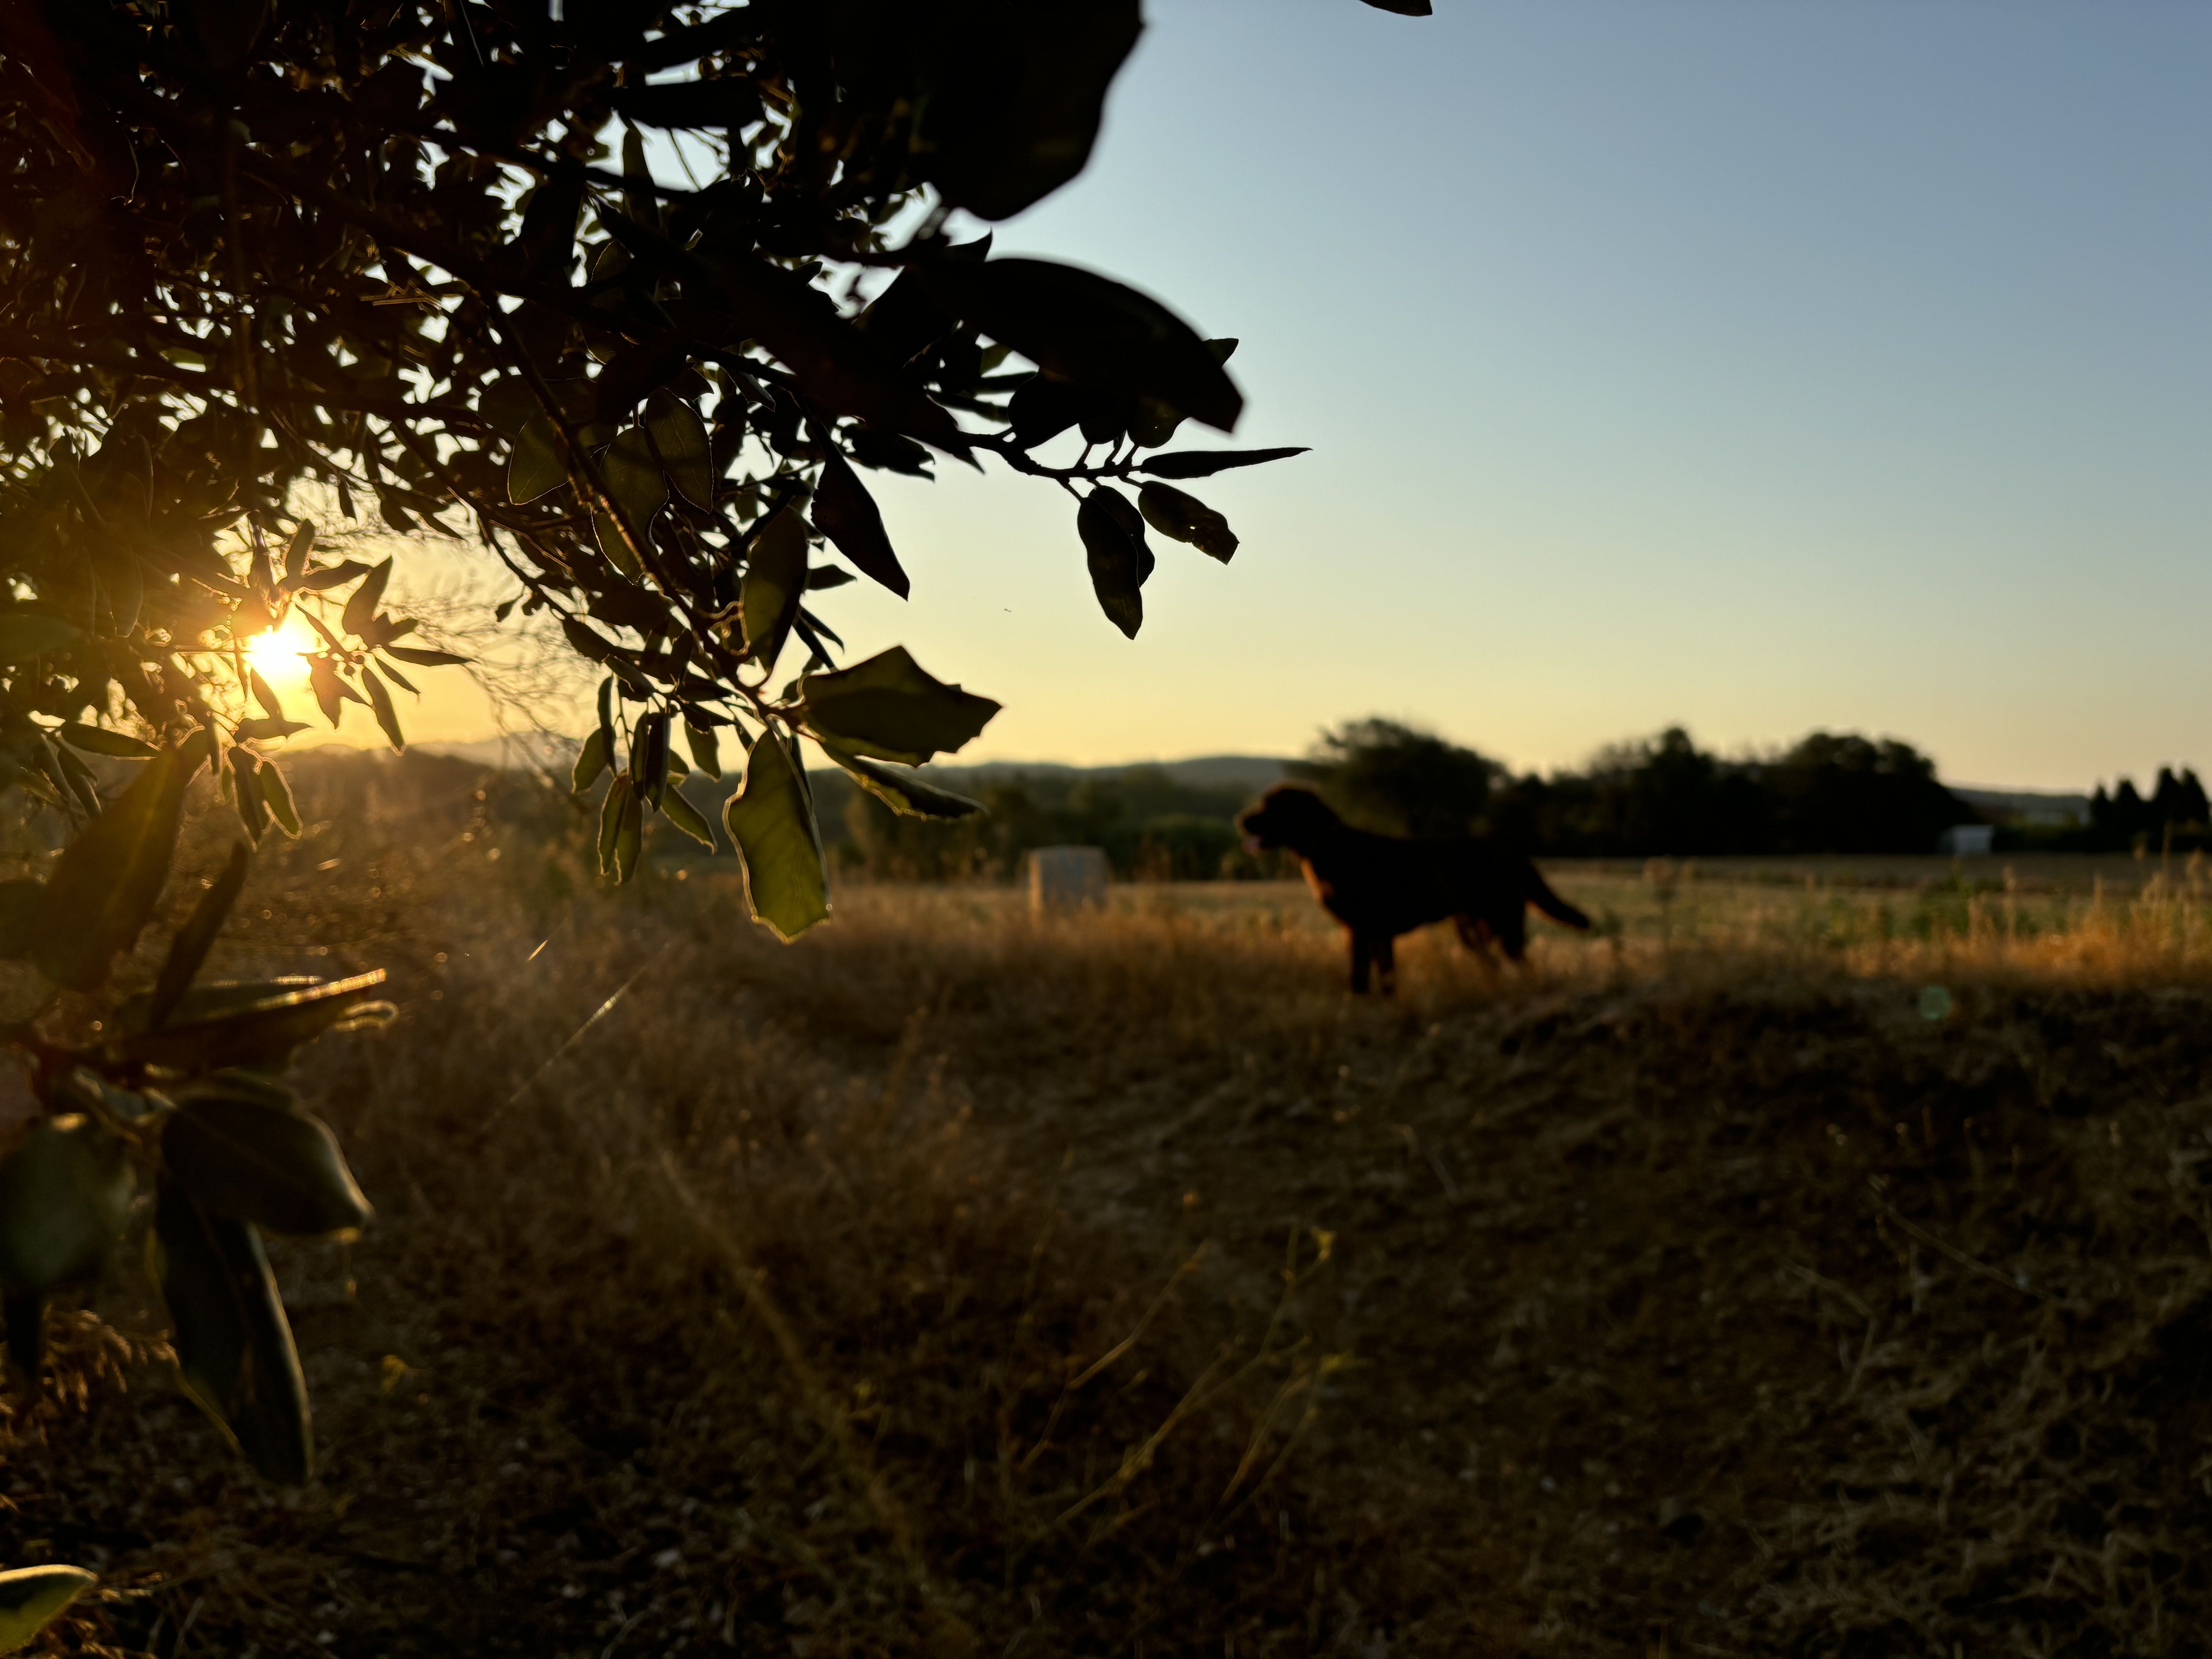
{"x":1541,"y":895}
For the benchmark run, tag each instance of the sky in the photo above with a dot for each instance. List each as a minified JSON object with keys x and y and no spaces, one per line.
{"x":1752,"y":365}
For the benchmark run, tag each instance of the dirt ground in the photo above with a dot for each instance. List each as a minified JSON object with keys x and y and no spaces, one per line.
{"x":958,"y":1283}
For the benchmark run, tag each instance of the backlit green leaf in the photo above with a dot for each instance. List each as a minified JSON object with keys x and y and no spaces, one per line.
{"x":629,"y":836}
{"x":687,"y":818}
{"x":680,"y":437}
{"x":771,"y":823}
{"x":590,"y":760}
{"x":536,"y":465}
{"x":31,"y":1598}
{"x":888,"y":707}
{"x":904,"y":791}
{"x":775,"y":578}
{"x":610,"y":820}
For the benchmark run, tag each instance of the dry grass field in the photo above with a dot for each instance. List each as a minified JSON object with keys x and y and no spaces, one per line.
{"x":1788,"y":1270}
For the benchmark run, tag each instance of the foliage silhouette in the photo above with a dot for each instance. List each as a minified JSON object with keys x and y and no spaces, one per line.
{"x":432,"y":257}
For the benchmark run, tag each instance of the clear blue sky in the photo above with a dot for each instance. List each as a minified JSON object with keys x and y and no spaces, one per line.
{"x":1752,"y":364}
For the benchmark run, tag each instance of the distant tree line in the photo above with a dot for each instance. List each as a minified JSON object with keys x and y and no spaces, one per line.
{"x":2176,"y":816}
{"x":1658,"y":796}
{"x":1663,"y":795}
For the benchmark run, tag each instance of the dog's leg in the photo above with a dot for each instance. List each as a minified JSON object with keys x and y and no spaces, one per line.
{"x":1512,"y":927}
{"x":1359,"y":960}
{"x":1386,"y":959}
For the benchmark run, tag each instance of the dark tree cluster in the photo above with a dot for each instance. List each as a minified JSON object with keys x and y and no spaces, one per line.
{"x":1663,"y":795}
{"x":2176,"y":815}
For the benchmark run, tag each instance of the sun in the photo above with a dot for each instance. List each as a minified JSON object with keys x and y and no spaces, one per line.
{"x":279,"y":655}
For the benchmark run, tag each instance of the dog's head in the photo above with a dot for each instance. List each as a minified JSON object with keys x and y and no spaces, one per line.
{"x":1288,"y":816}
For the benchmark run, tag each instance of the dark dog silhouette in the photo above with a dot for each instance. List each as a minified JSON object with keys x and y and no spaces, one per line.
{"x":1381,"y":886}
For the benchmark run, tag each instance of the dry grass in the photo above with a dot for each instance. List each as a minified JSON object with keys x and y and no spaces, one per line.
{"x":957,"y":1283}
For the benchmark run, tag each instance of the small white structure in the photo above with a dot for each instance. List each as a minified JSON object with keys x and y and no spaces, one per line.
{"x":1064,"y":878}
{"x":1967,"y":840}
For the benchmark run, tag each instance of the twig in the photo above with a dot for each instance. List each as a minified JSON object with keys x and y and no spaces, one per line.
{"x":1952,"y":1251}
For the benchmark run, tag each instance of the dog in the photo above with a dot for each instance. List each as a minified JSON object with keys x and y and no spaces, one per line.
{"x":1381,"y":886}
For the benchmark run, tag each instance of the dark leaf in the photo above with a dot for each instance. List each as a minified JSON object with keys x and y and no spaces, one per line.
{"x":846,"y":515}
{"x":260,"y":1161}
{"x":330,"y":692}
{"x":387,"y":715}
{"x":648,"y":760}
{"x":360,"y":607}
{"x":235,"y":1353}
{"x":1404,"y":8}
{"x":271,"y":705}
{"x":1187,"y":519}
{"x":278,"y":795}
{"x":1114,"y":564}
{"x":316,"y":582}
{"x":1116,"y":506}
{"x":267,"y":731}
{"x":1090,"y":329}
{"x":107,"y":882}
{"x":295,"y":553}
{"x":1204,"y":463}
{"x":421,"y":658}
{"x":64,"y":1197}
{"x":771,"y":823}
{"x":98,"y":740}
{"x":1018,"y":110}
{"x":720,"y":103}
{"x":887,"y":706}
{"x":246,"y":792}
{"x":255,"y":1023}
{"x":823,"y":577}
{"x":189,"y":949}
